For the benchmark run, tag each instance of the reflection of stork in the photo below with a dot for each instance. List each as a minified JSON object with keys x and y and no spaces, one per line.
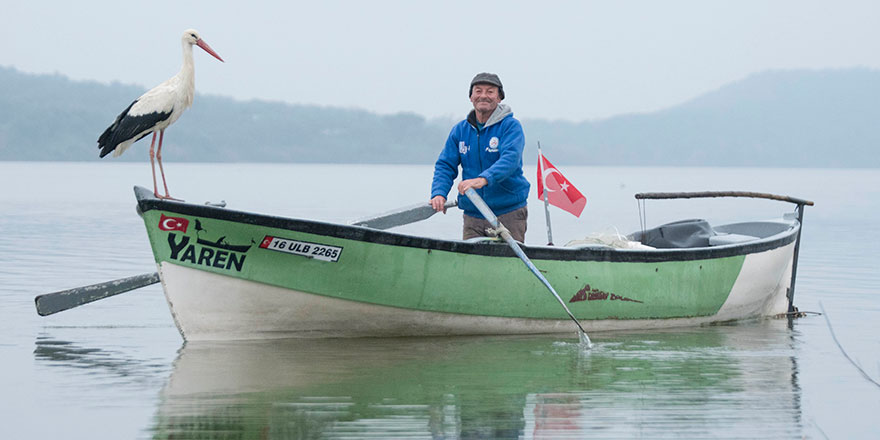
{"x":155,"y":110}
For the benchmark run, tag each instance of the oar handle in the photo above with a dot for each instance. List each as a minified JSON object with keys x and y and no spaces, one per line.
{"x":482,"y":207}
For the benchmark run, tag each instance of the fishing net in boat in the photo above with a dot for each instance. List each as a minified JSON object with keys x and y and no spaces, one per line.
{"x":611,"y":238}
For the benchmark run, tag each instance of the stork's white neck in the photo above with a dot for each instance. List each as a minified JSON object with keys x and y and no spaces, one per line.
{"x":187,"y":74}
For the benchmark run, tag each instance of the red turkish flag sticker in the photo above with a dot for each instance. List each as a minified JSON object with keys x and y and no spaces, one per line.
{"x":173,"y":223}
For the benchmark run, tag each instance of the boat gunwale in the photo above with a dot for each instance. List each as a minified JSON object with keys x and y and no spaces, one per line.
{"x":147,"y":202}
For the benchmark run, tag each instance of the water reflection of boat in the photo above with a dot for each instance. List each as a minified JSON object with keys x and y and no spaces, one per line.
{"x":700,"y":382}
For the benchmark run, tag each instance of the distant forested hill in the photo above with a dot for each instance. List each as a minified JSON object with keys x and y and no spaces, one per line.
{"x":803,"y":118}
{"x":827,"y":118}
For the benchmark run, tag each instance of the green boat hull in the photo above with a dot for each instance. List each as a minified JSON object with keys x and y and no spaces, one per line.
{"x":236,"y":275}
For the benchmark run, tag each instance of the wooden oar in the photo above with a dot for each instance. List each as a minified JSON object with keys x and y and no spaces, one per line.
{"x":402,"y":216}
{"x":67,"y":299}
{"x":505,"y":234}
{"x":55,"y":302}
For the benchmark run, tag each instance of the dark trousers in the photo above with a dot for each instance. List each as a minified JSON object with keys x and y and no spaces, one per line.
{"x":515,"y":222}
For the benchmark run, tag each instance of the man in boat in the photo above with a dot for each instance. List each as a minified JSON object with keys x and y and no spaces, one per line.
{"x":488,"y":145}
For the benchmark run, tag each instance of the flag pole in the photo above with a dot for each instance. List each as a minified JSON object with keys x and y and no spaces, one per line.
{"x":546,"y":203}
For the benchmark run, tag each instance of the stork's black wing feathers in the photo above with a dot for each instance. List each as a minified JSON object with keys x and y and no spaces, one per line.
{"x":127,"y":126}
{"x":108,"y":133}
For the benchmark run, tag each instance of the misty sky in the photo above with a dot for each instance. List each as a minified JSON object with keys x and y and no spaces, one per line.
{"x":558,"y":60}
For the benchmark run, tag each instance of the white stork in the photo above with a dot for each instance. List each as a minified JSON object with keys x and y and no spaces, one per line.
{"x":155,"y":110}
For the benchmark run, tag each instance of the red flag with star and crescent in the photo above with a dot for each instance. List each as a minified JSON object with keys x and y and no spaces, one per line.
{"x":560,"y":192}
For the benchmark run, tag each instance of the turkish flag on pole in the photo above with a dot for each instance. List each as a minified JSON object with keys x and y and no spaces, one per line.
{"x":560,"y":192}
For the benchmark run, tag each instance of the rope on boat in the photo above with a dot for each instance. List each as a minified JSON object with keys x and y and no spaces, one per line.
{"x":643,"y":215}
{"x":864,"y":374}
{"x":796,"y":314}
{"x":499,"y":231}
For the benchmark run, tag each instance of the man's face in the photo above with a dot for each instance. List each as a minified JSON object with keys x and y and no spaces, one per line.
{"x":485,"y":97}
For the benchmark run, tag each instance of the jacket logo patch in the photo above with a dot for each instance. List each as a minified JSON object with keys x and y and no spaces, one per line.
{"x":493,"y":145}
{"x":462,"y":148}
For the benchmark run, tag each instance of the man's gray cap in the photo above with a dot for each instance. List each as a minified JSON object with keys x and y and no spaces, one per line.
{"x":487,"y":78}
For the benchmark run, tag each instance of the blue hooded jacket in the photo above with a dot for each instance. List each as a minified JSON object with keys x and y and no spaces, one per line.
{"x":494,"y":153}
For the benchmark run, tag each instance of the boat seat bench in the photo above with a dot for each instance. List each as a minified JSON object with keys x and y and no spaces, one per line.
{"x":725,"y":239}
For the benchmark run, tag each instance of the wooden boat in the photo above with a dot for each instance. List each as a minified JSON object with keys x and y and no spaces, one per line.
{"x":231,"y":275}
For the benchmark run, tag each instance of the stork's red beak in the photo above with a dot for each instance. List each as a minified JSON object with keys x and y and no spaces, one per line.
{"x":201,"y":43}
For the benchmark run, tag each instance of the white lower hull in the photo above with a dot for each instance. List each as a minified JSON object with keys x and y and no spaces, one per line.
{"x":208,"y":306}
{"x":761,"y":287}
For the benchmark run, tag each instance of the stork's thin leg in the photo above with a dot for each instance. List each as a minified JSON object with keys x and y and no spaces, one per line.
{"x":159,"y":159}
{"x":153,"y":164}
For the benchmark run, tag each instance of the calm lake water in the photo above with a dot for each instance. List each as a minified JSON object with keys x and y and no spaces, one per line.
{"x":118,"y":369}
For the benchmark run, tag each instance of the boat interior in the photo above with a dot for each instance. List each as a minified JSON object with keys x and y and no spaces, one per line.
{"x":683,"y":234}
{"x":694,"y":233}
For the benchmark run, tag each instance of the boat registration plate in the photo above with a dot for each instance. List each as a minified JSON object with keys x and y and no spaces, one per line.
{"x":311,"y":250}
